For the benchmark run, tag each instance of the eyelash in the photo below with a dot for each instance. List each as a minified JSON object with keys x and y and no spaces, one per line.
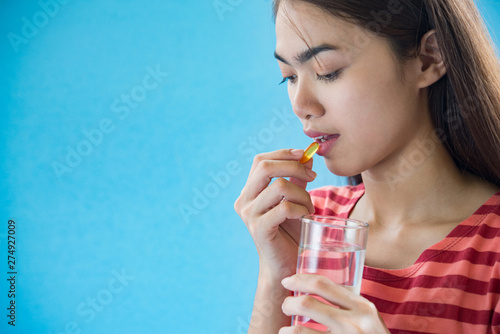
{"x":327,"y":78}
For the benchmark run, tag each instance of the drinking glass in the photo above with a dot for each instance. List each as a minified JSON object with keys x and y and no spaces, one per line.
{"x":333,"y":247}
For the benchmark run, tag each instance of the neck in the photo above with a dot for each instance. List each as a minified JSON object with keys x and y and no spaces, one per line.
{"x":422,"y":184}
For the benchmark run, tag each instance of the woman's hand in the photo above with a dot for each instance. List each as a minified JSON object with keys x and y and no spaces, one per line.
{"x":354,"y":314}
{"x":271,"y":211}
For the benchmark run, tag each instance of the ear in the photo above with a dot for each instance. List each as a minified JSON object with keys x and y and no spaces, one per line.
{"x":430,"y":60}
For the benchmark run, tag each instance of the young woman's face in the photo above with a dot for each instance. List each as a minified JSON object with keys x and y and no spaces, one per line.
{"x":346,"y":84}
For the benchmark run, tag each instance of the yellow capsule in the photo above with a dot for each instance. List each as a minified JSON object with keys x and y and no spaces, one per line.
{"x":309,"y":152}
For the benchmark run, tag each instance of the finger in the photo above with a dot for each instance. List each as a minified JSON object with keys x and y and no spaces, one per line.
{"x":310,"y":307}
{"x":271,"y":220}
{"x":295,"y":329}
{"x":323,"y":287}
{"x":309,"y":164}
{"x":301,"y":183}
{"x":280,"y":190}
{"x":355,"y":315}
{"x":336,"y":319}
{"x":285,"y":154}
{"x":269,"y":169}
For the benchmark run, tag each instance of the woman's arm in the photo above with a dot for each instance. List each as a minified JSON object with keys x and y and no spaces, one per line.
{"x":267,"y":315}
{"x":267,"y":210}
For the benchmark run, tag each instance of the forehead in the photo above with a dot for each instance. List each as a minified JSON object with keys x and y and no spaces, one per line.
{"x":300,"y":24}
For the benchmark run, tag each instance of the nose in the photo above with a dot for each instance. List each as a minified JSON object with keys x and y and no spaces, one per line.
{"x":305,"y":102}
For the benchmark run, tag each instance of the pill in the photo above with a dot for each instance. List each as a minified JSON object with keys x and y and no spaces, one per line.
{"x":309,"y":152}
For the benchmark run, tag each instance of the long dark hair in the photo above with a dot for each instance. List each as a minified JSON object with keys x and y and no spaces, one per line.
{"x":465,"y":103}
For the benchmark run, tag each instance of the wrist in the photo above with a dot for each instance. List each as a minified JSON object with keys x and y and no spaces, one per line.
{"x":269,"y":285}
{"x":273,"y":274}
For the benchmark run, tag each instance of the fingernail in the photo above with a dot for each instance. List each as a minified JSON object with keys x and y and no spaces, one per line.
{"x":297,"y":153}
{"x":311,"y":173}
{"x":285,"y":281}
{"x":283,"y":306}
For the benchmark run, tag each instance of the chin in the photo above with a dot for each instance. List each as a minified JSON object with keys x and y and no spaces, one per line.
{"x":343,"y":170}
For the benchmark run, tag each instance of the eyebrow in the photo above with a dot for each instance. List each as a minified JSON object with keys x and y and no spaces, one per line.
{"x":306,"y":55}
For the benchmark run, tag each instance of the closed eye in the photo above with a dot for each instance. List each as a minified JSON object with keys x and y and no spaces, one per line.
{"x":330,"y":77}
{"x":327,"y":78}
{"x":290,"y":79}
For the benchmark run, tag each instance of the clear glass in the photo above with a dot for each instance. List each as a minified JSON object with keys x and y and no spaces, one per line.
{"x":333,"y":247}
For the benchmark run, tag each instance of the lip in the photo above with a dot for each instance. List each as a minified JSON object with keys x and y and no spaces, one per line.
{"x":325,"y":140}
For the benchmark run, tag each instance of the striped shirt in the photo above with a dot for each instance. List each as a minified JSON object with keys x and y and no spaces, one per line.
{"x":453,"y":287}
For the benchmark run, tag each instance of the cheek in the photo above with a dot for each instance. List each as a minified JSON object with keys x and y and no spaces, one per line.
{"x":356,"y":104}
{"x":370,"y":114}
{"x":372,"y":103}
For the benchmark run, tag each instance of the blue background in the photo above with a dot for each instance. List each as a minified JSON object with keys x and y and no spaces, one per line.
{"x":122,"y":183}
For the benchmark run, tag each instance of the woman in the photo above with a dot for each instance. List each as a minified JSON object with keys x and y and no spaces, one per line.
{"x":404,"y":98}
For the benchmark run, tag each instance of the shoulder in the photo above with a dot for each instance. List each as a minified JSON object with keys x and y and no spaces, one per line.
{"x":488,"y":216}
{"x":475,"y":242}
{"x":337,"y":201}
